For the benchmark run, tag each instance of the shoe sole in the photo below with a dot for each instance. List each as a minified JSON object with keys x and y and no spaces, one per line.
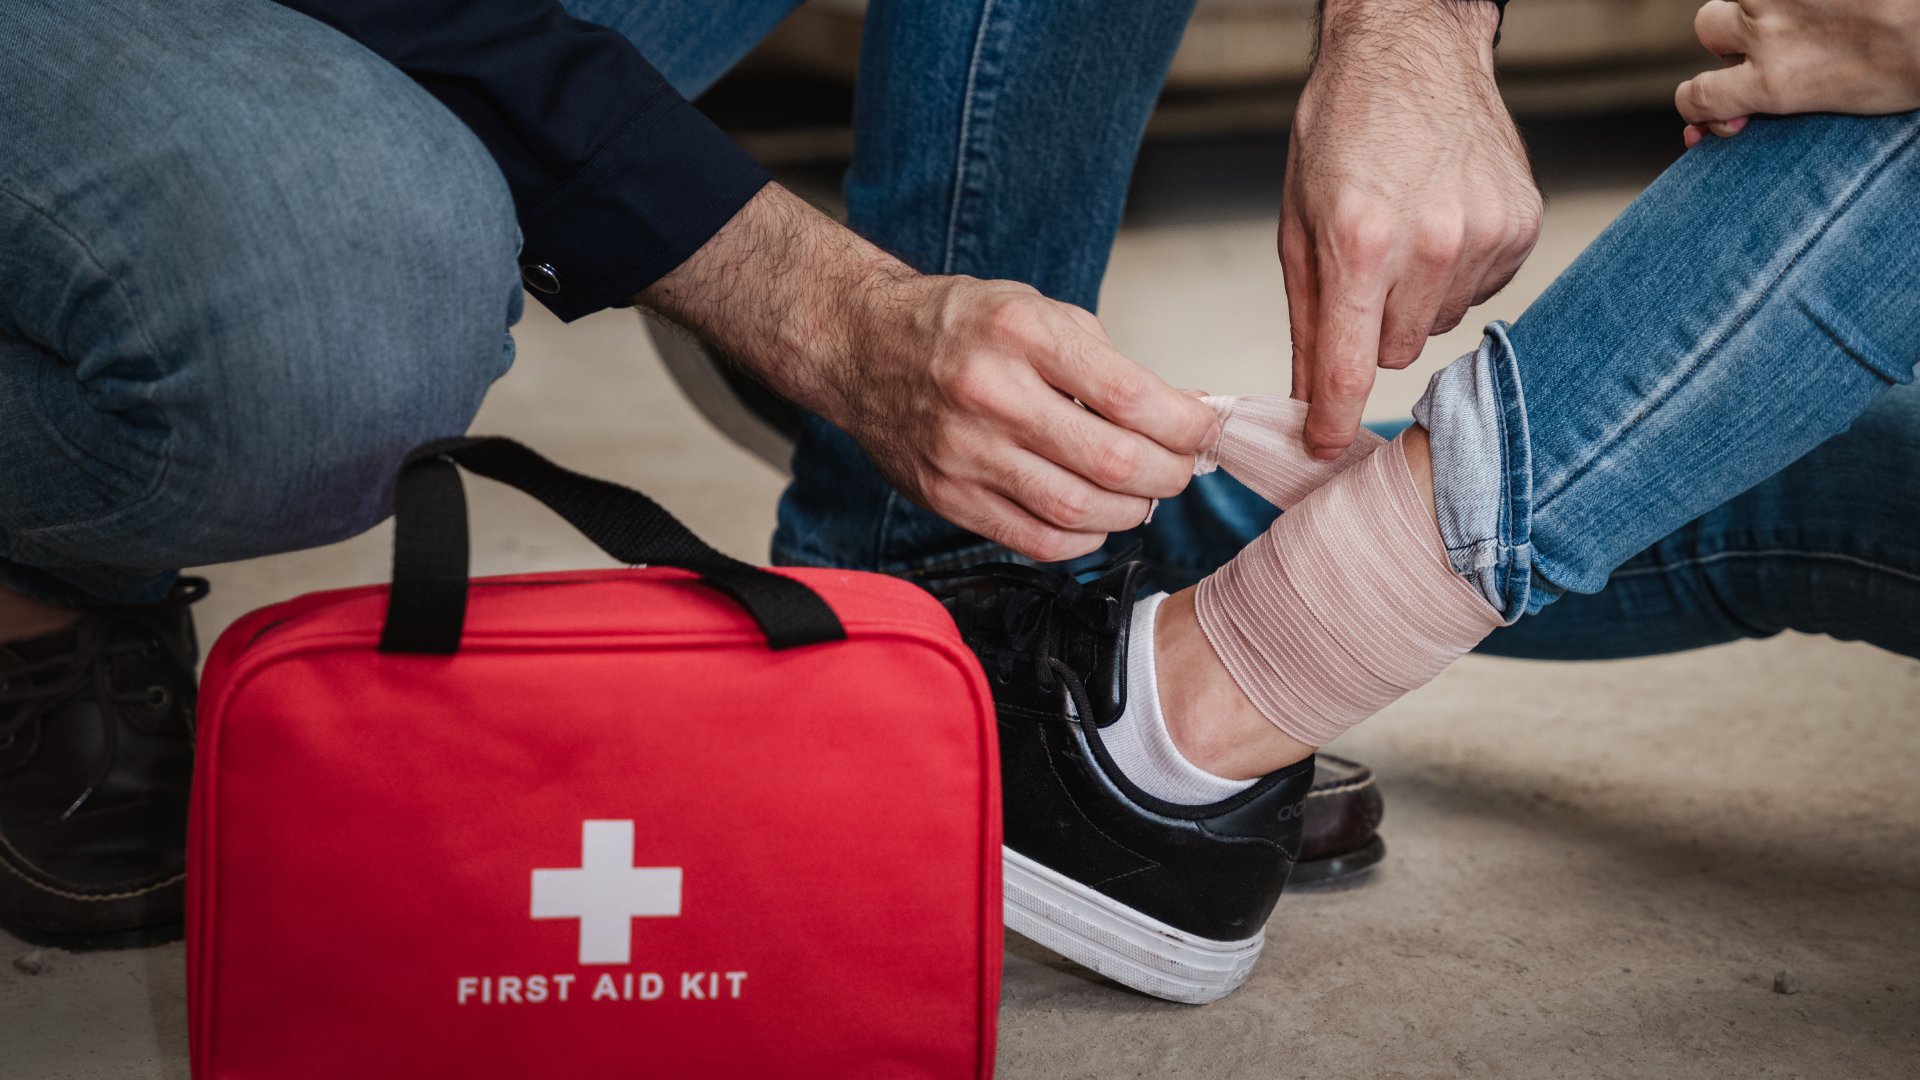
{"x":138,"y":937}
{"x":1127,"y":946}
{"x":1337,"y":871}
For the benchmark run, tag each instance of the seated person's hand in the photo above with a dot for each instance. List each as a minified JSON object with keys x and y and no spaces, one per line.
{"x":1796,"y":56}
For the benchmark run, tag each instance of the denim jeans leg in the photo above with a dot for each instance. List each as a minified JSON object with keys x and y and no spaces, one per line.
{"x":1744,"y":310}
{"x":1828,"y":545}
{"x":993,"y":138}
{"x":226,"y":309}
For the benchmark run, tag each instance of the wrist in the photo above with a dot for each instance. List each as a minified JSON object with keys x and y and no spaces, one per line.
{"x":787,"y":293}
{"x":1411,"y":31}
{"x":854,"y":324}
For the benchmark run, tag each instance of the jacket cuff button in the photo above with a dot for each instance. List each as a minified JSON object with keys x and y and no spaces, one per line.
{"x":541,"y":277}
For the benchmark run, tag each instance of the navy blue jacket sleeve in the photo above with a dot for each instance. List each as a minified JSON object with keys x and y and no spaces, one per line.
{"x":616,"y":178}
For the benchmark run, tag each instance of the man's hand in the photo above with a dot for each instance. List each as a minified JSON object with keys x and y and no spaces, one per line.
{"x":963,"y":391}
{"x":1408,"y":197}
{"x":1795,"y":56}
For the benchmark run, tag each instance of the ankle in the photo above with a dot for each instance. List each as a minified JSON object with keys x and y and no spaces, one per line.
{"x":22,"y":617}
{"x":1419,"y":453}
{"x":1209,"y":717}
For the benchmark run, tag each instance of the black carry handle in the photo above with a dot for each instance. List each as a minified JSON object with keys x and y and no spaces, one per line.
{"x":427,"y":609}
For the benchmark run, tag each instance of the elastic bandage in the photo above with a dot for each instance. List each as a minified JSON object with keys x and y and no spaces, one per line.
{"x":1347,"y":601}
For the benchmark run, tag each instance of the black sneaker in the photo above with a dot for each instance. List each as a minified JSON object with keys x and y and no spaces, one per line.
{"x":96,"y":758}
{"x":1170,"y":900}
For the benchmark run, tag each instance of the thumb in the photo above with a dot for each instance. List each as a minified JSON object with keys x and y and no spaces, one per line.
{"x":1721,"y":95}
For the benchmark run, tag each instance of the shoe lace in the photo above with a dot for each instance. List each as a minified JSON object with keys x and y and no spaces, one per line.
{"x":32,"y":690}
{"x":1014,"y":614}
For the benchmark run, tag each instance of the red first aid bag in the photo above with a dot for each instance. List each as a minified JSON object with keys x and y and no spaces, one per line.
{"x":695,"y":820}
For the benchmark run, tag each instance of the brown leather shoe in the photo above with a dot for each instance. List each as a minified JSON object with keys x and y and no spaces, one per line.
{"x":1343,"y":812}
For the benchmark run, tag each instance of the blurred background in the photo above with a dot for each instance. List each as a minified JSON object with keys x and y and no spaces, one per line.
{"x":1238,"y":69}
{"x":1594,"y":869}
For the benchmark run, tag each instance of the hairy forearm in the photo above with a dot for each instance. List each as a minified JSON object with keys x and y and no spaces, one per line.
{"x":782,"y":289}
{"x":1437,"y":54}
{"x":1397,"y":32}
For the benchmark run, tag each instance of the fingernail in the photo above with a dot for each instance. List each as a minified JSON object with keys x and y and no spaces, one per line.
{"x":1326,"y":453}
{"x":1213,"y":434}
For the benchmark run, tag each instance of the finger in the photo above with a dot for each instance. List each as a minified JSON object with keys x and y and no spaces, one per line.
{"x":1463,"y":291}
{"x":1347,"y":344}
{"x":1296,"y":271}
{"x":1721,"y":95}
{"x":1087,"y":321}
{"x":1006,"y":523}
{"x":1488,"y":279}
{"x":1061,"y":499}
{"x":1103,"y":453}
{"x":1127,"y":394}
{"x":1692,"y":134}
{"x":1496,"y":266}
{"x":1722,"y":27}
{"x":1412,"y":312}
{"x":1727,"y":129}
{"x":1413,"y":303}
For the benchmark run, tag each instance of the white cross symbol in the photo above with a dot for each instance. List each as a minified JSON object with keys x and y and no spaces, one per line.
{"x":607,"y":892}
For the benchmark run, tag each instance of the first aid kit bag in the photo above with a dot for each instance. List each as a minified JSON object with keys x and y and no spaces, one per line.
{"x":697,"y":819}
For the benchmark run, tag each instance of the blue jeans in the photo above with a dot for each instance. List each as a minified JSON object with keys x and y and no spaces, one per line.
{"x":202,"y":362}
{"x":244,"y":266}
{"x":1661,"y":442}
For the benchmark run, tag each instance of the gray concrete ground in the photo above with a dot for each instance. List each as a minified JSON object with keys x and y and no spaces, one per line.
{"x":1597,"y":870}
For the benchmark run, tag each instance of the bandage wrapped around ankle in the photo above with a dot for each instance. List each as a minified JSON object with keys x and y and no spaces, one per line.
{"x":1347,"y":601}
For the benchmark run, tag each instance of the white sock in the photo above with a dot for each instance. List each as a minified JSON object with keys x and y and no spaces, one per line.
{"x":1139,"y":742}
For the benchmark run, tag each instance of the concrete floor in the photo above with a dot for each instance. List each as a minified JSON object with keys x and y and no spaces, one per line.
{"x":1596,"y":869}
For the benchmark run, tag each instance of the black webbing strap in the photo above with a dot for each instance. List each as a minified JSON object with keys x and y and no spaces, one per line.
{"x":427,"y":610}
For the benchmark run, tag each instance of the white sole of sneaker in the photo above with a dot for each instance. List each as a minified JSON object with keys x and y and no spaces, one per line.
{"x":1129,"y":947}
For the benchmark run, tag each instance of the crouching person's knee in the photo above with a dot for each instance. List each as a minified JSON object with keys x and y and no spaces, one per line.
{"x":287,"y":434}
{"x":294,"y":440}
{"x":295,"y":451}
{"x":311,"y":457}
{"x":299,"y":324}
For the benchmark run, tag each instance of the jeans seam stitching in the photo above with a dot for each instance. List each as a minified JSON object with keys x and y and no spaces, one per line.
{"x":1509,"y":402}
{"x":1767,"y":553}
{"x":154,"y":489}
{"x":1698,"y":360}
{"x":1504,"y":524}
{"x":966,"y":134}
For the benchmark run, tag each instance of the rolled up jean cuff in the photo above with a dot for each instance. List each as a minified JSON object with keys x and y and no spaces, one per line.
{"x":1475,"y":414}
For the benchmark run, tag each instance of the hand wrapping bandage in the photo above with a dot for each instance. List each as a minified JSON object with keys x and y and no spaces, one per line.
{"x":1347,"y":601}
